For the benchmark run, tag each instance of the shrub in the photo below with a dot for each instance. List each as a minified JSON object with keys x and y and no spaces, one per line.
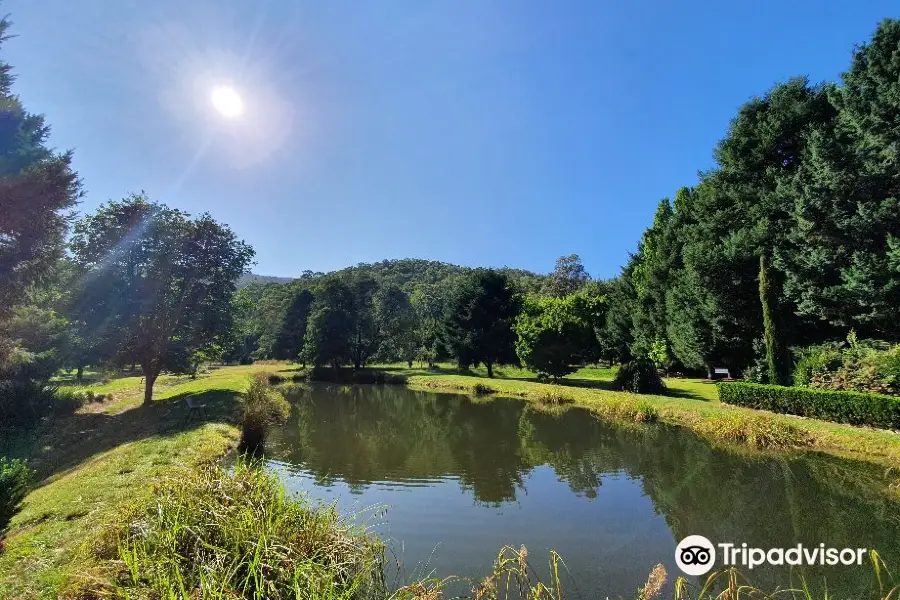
{"x":854,"y":408}
{"x":262,"y":408}
{"x":15,"y":477}
{"x":854,"y":365}
{"x":814,"y":361}
{"x":480,"y":389}
{"x":24,"y":401}
{"x":214,"y":533}
{"x":644,"y":412}
{"x":553,"y":398}
{"x":640,"y":377}
{"x":65,"y":402}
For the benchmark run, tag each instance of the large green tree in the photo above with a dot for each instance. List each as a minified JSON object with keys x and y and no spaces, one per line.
{"x":38,"y":188}
{"x":331,"y":328}
{"x":480,"y":319}
{"x":555,"y":334}
{"x":157,"y":284}
{"x":289,"y":341}
{"x":397,"y":323}
{"x":843,"y":260}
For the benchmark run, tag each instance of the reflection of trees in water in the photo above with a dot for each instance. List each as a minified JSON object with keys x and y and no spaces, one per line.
{"x":371,"y":433}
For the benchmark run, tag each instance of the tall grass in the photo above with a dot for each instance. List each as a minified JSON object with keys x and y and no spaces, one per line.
{"x":216,"y":534}
{"x":759,"y":431}
{"x":262,"y":407}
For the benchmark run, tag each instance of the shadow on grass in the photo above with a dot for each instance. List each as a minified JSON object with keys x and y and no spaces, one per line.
{"x":64,"y":442}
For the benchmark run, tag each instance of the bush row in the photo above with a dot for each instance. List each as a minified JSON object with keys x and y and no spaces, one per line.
{"x":855,"y":408}
{"x":24,"y":402}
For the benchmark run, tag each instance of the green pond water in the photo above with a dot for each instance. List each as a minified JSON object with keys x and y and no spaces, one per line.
{"x":447,"y":481}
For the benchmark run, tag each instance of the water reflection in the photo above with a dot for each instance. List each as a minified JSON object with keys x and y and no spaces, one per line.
{"x":579,"y":481}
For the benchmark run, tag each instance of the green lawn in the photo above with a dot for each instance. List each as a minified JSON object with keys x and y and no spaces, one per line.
{"x":105,"y":456}
{"x":596,"y":377}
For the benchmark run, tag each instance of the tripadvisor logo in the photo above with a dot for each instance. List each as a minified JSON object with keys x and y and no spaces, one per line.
{"x":696,"y":555}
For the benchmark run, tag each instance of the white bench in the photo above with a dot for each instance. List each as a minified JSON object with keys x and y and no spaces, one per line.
{"x":725,"y":372}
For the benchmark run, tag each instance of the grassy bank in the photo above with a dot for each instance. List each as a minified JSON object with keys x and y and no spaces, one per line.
{"x":690,"y":405}
{"x":106,"y":456}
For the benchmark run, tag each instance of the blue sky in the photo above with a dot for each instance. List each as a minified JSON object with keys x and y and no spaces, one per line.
{"x":484,"y":133}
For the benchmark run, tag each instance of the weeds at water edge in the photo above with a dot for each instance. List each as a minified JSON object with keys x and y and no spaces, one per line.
{"x":219,"y":534}
{"x":758,"y":431}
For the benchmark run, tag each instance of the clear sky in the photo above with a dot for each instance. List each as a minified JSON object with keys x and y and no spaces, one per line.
{"x":478,"y":132}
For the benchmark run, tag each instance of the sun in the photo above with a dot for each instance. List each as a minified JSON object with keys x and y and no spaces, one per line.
{"x":227,"y":101}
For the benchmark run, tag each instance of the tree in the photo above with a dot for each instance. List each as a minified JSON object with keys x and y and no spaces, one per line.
{"x":657,"y":259}
{"x":777,"y":356}
{"x":366,"y":335}
{"x":567,"y":278}
{"x":480,"y":319}
{"x":430,"y":301}
{"x":157,"y":285}
{"x":242,"y":340}
{"x":553,"y":334}
{"x":37,"y":189}
{"x":289,"y":341}
{"x":843,"y":261}
{"x":397,"y":325}
{"x":331,"y":327}
{"x":615,"y":336}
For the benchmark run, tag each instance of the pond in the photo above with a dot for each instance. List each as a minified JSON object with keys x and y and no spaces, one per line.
{"x":453,"y":479}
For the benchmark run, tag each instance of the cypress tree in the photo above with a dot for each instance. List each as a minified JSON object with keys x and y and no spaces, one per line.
{"x":776,"y":353}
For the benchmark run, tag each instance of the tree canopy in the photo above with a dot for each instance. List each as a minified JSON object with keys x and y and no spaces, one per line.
{"x":155,"y":285}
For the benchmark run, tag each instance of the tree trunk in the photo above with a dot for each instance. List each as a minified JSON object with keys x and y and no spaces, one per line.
{"x":149,"y":380}
{"x":409,"y":363}
{"x":490,"y":368}
{"x":80,"y":372}
{"x":709,"y":371}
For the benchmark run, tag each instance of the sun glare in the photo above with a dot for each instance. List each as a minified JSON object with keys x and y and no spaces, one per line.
{"x":227,"y":101}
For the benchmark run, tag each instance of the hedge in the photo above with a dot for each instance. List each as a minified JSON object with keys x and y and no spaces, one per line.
{"x":856,"y":408}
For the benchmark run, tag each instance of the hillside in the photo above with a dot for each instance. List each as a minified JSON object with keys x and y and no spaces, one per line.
{"x":249,"y":278}
{"x":407,"y":273}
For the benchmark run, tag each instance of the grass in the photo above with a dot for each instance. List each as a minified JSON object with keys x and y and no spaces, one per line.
{"x":103,"y":457}
{"x":690,"y":403}
{"x":114,"y":454}
{"x":214,"y":533}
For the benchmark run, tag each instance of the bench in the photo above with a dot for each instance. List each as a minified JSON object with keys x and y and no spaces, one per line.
{"x":720,"y":371}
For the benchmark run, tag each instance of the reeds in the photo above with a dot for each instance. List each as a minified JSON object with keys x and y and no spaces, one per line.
{"x":236,"y":534}
{"x":756,"y":430}
{"x":262,"y":407}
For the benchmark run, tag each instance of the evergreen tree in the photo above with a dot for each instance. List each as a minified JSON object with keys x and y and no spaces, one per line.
{"x":331,"y":327}
{"x":843,"y":263}
{"x":480,"y":319}
{"x":776,"y":352}
{"x":289,"y":342}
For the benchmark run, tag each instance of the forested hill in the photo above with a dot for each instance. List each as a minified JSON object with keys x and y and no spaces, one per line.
{"x":262,"y":303}
{"x":405,"y":273}
{"x":248,"y":278}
